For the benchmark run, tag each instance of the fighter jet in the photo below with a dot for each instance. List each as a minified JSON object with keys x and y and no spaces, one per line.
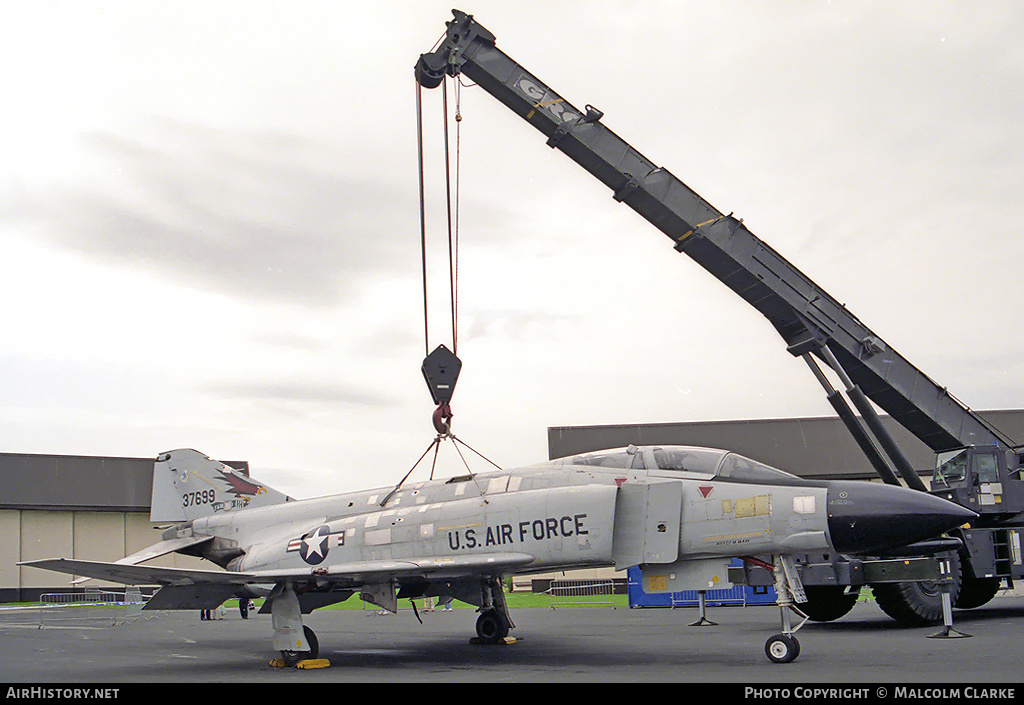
{"x":681,"y":513}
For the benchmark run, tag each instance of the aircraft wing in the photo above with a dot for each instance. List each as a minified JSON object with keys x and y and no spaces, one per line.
{"x":185,"y":588}
{"x":345,"y":573}
{"x":431,"y":567}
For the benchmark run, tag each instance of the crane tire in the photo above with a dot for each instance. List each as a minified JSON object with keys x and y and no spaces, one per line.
{"x":975,"y":592}
{"x":916,"y":604}
{"x":827,"y":603}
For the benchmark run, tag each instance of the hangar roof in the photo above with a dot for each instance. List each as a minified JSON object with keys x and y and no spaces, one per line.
{"x":79,"y":482}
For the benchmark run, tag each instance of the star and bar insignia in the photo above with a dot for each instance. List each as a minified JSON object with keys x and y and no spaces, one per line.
{"x":314,"y":545}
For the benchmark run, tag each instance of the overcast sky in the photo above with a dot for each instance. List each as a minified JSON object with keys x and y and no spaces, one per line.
{"x":210,"y":235}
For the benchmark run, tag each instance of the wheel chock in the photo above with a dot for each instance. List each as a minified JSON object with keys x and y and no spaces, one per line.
{"x":504,"y":642}
{"x":304,"y":664}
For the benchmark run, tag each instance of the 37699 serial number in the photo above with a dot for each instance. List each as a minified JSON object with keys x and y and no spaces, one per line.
{"x":194,"y":499}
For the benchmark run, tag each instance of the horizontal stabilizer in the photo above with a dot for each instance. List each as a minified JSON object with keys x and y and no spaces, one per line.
{"x":155,"y":551}
{"x":162,"y":549}
{"x":139,"y":574}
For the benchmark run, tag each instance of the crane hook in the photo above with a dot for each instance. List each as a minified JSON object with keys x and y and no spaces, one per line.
{"x":443,"y":419}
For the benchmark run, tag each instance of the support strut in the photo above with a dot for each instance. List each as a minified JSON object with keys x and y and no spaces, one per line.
{"x":871,"y":418}
{"x":853,"y":424}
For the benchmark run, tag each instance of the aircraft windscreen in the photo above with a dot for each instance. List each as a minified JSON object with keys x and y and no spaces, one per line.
{"x":696,"y":460}
{"x":605,"y":459}
{"x":737,"y":467}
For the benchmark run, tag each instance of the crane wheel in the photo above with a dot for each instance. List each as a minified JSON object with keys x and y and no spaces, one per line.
{"x":975,"y":592}
{"x":826,"y":603}
{"x":917,"y":604}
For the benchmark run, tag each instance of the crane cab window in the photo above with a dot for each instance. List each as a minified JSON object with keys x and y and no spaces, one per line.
{"x":985,"y":467}
{"x":952,"y":468}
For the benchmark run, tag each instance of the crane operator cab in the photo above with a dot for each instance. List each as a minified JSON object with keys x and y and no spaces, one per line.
{"x":983,"y":478}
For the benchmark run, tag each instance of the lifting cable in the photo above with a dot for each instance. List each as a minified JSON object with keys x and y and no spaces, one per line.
{"x":441,"y":367}
{"x":452,"y":213}
{"x":453,"y":231}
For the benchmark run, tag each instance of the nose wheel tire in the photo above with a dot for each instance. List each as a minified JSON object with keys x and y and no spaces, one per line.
{"x":782,"y":648}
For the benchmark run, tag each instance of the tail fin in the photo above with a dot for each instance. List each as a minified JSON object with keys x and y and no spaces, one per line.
{"x":188,"y":485}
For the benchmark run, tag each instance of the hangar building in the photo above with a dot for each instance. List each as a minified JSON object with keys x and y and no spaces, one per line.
{"x":68,"y":506}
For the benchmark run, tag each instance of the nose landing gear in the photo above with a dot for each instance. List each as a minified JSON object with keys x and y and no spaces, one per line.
{"x":784,"y":647}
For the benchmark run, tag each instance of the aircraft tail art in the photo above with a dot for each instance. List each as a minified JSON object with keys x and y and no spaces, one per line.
{"x":188,"y":485}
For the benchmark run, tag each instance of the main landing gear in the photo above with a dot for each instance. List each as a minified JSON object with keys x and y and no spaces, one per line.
{"x":291,"y":658}
{"x":492,"y":626}
{"x":296,"y":642}
{"x":494,"y":622}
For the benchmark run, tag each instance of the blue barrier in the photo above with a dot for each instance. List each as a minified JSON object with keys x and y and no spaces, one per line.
{"x":735,"y":595}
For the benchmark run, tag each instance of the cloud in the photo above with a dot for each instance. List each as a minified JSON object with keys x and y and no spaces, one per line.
{"x":218,"y":209}
{"x":300,"y":391}
{"x":263,"y":215}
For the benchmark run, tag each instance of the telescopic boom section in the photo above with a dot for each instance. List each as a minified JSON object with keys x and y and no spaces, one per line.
{"x":806,"y":317}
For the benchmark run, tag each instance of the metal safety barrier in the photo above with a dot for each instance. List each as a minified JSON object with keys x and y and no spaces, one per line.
{"x":91,"y":607}
{"x":86,"y":597}
{"x":581,"y":593}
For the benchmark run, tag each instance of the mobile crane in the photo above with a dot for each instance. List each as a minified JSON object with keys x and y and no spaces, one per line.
{"x":977,"y":465}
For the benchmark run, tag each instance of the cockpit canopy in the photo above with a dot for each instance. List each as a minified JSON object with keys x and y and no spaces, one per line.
{"x":687,"y":460}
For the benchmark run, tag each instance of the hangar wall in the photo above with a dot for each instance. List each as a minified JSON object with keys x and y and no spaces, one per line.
{"x":88,"y":535}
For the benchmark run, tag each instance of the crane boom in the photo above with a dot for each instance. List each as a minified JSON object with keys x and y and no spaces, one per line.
{"x":809,"y":320}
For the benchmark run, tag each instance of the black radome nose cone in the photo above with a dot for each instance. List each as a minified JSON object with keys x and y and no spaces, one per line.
{"x":864,"y":517}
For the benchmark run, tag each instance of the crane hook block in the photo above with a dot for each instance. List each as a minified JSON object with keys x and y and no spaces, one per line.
{"x":441,"y":370}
